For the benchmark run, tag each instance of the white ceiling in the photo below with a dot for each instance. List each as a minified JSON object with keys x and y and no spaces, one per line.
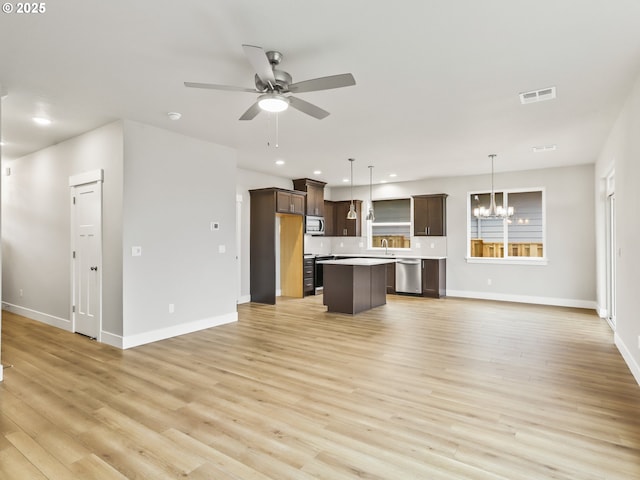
{"x":437,"y":81}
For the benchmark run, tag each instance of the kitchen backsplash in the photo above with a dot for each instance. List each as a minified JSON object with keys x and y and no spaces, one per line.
{"x":421,"y":246}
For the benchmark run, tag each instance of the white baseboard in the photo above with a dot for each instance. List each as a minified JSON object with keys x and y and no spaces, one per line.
{"x":138,"y":339}
{"x":244,"y":299}
{"x":52,"y":320}
{"x":626,"y":354}
{"x":503,"y":297}
{"x":1,"y":372}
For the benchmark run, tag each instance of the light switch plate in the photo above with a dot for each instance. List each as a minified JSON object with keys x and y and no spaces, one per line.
{"x":215,"y":226}
{"x":222,"y":248}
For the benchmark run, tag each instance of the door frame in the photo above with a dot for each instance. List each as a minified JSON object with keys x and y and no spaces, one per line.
{"x":97,"y":177}
{"x":611,"y":250}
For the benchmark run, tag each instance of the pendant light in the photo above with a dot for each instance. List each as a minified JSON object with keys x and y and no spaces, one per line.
{"x":370,"y":215}
{"x":352,"y":215}
{"x":493,"y":211}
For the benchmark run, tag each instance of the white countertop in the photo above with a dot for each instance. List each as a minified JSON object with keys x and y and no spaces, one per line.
{"x":392,"y":256}
{"x":366,"y":262}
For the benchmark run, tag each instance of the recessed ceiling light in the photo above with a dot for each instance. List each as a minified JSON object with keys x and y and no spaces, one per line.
{"x":174,"y":115}
{"x":392,"y":175}
{"x":383,"y":181}
{"x":42,"y":120}
{"x":279,"y":162}
{"x":345,"y":180}
{"x":317,"y":172}
{"x":544,"y":148}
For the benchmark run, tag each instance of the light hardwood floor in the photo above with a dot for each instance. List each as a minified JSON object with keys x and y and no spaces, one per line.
{"x":415,"y":389}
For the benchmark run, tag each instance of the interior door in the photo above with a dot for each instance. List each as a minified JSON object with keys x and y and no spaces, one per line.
{"x":87,"y":258}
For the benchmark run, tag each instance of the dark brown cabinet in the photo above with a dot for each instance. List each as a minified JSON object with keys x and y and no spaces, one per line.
{"x":336,"y":223}
{"x":391,"y":278}
{"x":315,"y":195}
{"x":430,"y":215}
{"x":268,"y":205}
{"x":290,"y":202}
{"x":308,"y":276}
{"x":434,"y":277}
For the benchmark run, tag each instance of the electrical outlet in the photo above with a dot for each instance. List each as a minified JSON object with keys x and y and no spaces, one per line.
{"x":489,"y":281}
{"x":215,"y":226}
{"x":172,"y":308}
{"x":136,"y":251}
{"x":222,"y":248}
{"x":418,"y":245}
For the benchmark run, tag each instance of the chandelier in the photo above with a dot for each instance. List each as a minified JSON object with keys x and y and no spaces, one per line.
{"x":494,"y":211}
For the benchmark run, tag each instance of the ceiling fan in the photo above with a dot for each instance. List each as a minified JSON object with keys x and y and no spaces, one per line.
{"x":272,"y":84}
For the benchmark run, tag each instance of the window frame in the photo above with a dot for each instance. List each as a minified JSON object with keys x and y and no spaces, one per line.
{"x":508,"y":260}
{"x":410,"y":223}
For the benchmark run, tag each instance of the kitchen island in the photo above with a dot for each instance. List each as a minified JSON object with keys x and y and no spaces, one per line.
{"x":353,"y":285}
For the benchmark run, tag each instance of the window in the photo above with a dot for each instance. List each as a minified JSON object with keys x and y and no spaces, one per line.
{"x":518,"y":234}
{"x":392,"y":222}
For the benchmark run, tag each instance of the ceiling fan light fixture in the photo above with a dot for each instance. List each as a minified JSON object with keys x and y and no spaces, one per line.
{"x":273,"y":102}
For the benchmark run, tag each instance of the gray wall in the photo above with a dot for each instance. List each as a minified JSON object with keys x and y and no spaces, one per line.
{"x":36,"y":239}
{"x":174,"y":187}
{"x":569,"y":276}
{"x":622,"y":153}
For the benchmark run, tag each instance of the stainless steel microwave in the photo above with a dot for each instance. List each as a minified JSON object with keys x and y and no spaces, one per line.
{"x":314,"y":225}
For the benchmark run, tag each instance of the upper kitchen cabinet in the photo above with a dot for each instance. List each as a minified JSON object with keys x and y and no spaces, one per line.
{"x":340,"y":226}
{"x":288,"y":201}
{"x":315,"y":195}
{"x":430,"y":215}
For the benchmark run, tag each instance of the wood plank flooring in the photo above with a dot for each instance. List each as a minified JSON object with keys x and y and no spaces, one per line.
{"x":415,"y":389}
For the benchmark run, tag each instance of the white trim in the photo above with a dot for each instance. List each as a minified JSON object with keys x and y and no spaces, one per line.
{"x":86,"y":177}
{"x":244,"y":299}
{"x":63,"y":323}
{"x":138,"y":339}
{"x":539,"y":261}
{"x":505,"y":297}
{"x":628,"y":358}
{"x":112,"y":339}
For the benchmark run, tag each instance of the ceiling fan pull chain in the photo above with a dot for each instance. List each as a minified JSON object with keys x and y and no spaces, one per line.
{"x":277,"y":131}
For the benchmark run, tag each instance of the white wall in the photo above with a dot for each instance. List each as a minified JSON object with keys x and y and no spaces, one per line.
{"x":174,"y":187}
{"x":622,"y":153}
{"x":36,"y":239}
{"x":568,"y":278}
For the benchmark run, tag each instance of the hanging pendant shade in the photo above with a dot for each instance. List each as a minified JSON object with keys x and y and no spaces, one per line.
{"x":370,"y":215}
{"x":352,"y":215}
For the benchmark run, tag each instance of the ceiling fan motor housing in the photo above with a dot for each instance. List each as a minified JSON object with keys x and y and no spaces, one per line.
{"x":283,"y":80}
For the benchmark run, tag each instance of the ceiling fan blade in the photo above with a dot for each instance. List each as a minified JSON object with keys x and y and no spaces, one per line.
{"x":308,"y":108}
{"x":251,"y":113}
{"x":323,"y":83}
{"x":213,"y":86}
{"x":260,"y":63}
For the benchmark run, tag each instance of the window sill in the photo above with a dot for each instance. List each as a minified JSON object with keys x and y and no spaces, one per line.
{"x":509,"y":261}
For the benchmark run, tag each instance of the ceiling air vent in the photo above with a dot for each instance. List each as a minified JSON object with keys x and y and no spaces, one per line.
{"x":538,"y":95}
{"x":544,"y":148}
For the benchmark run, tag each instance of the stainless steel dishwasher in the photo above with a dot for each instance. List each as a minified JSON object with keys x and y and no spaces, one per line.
{"x":408,"y":275}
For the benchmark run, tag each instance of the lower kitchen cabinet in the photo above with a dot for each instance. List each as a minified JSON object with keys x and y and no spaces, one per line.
{"x":434,"y":277}
{"x":391,"y":278}
{"x":308,"y":276}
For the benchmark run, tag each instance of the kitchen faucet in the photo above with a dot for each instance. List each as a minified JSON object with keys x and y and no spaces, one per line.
{"x":385,"y":244}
